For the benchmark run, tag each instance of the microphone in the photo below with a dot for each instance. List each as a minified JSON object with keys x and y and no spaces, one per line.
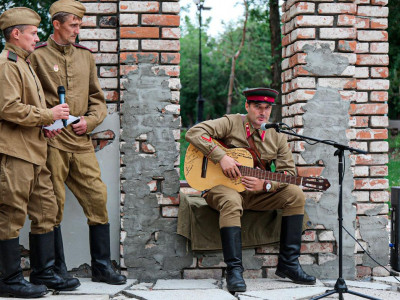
{"x":265,"y":126}
{"x":61,"y":96}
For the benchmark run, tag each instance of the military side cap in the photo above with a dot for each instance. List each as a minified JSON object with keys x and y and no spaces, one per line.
{"x":261,"y":95}
{"x":19,"y":16}
{"x":68,"y":6}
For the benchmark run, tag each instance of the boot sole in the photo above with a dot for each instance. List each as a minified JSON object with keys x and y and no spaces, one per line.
{"x":69,"y":289}
{"x":54,"y":289}
{"x":237,"y":290}
{"x":283,"y":275}
{"x":112,"y":283}
{"x":24,"y":297}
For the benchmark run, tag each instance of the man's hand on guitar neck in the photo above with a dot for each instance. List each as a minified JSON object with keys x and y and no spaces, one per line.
{"x":253,"y":184}
{"x":230,"y":167}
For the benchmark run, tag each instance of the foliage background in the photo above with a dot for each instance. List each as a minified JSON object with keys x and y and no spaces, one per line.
{"x":394,"y":59}
{"x":253,"y":66}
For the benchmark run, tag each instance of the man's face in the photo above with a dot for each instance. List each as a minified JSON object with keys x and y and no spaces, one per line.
{"x":67,"y":31}
{"x":26,"y":38}
{"x":258,"y":113}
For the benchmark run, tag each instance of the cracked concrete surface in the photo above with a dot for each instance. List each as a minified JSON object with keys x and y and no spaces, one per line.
{"x":206,"y":289}
{"x":326,"y":118}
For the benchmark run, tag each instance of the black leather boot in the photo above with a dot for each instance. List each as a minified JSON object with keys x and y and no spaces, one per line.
{"x":231,"y":238}
{"x":12,"y":282}
{"x":42,"y":264}
{"x":102,"y":269}
{"x":289,"y":252}
{"x":59,"y":266}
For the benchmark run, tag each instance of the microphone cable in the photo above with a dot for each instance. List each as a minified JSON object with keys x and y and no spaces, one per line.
{"x":391,"y":273}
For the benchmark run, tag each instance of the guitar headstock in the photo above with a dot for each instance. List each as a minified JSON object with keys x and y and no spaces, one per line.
{"x":316,"y":183}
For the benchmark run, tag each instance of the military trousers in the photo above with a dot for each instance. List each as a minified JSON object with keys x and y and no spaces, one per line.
{"x":25,"y":189}
{"x":81,"y":173}
{"x":230,"y":203}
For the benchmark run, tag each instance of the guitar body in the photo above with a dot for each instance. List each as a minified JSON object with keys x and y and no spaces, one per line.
{"x":202,"y":174}
{"x":214,"y":176}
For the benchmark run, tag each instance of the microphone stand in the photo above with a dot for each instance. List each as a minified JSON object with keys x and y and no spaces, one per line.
{"x":340,"y":286}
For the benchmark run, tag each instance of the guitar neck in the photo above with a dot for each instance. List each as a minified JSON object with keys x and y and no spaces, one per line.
{"x":266,"y":175}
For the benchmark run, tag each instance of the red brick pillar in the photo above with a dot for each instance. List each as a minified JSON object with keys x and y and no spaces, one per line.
{"x":150,"y":120}
{"x":335,"y":87}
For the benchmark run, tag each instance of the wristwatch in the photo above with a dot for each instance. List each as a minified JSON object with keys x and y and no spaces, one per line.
{"x":267,"y":186}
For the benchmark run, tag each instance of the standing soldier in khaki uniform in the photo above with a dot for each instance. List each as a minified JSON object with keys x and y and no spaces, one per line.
{"x":260,"y":195}
{"x":25,"y":185}
{"x":71,"y":158}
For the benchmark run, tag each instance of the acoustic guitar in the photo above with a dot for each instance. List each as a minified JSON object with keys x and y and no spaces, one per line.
{"x":202,"y":174}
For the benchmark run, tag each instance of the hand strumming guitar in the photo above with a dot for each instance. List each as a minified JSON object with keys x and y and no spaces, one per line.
{"x":230,"y":167}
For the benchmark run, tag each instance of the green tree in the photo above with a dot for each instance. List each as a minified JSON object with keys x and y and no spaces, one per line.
{"x":394,"y":60}
{"x":253,"y":67}
{"x":40,"y":6}
{"x":190,"y":68}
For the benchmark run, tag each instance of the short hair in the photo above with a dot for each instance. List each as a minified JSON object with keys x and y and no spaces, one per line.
{"x":8,"y":30}
{"x":62,"y":17}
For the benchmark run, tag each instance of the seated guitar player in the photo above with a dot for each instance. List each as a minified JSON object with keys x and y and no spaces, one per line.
{"x":236,"y":130}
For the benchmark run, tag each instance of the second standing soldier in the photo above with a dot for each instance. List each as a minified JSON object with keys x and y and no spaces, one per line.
{"x":71,"y":158}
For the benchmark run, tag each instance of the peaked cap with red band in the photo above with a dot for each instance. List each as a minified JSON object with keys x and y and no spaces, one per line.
{"x":261,"y":95}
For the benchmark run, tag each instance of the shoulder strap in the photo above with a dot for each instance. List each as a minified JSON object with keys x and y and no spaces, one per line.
{"x":260,"y":162}
{"x":12,"y":56}
{"x":82,"y":47}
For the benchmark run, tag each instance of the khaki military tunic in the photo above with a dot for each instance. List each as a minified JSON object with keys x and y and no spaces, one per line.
{"x":25,"y":185}
{"x":273,"y":147}
{"x":22,"y":109}
{"x":71,"y":158}
{"x":75,"y":69}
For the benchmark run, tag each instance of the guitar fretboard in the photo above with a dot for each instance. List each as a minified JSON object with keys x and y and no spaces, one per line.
{"x":266,"y":175}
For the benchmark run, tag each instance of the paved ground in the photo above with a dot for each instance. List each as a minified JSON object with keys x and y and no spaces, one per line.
{"x":211,"y":289}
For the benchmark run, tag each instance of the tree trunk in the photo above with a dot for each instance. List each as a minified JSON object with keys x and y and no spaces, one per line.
{"x":234,"y":58}
{"x":276,"y":51}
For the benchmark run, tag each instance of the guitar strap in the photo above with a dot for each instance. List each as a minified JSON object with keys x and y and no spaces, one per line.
{"x":260,"y":162}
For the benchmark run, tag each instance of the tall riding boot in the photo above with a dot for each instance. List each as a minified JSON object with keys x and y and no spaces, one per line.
{"x":231,"y":238}
{"x":42,"y":264}
{"x":59,"y":266}
{"x":102,"y":270}
{"x":12,"y":282}
{"x":289,"y":252}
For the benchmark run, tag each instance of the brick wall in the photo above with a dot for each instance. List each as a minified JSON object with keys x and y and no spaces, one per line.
{"x":319,"y":37}
{"x":100,"y":33}
{"x":136,"y":47}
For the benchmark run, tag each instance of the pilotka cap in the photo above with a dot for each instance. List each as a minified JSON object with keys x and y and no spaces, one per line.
{"x":68,"y":6}
{"x":19,"y":16}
